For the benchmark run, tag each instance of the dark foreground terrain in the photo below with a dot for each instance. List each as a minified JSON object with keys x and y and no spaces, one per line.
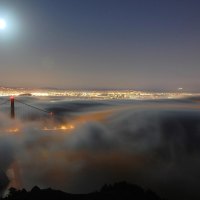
{"x":120,"y":190}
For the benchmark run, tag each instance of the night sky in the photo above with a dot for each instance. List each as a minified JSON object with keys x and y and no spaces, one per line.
{"x":87,"y":44}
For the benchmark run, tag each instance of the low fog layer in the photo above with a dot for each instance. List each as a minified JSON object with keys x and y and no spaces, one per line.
{"x":153,"y":144}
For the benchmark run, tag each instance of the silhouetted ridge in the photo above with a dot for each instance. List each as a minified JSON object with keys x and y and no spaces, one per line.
{"x":121,"y":190}
{"x":126,"y":190}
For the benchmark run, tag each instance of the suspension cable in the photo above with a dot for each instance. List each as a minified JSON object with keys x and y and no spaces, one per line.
{"x":34,"y":107}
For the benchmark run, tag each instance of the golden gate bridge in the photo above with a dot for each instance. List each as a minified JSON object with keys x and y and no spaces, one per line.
{"x":16,"y":107}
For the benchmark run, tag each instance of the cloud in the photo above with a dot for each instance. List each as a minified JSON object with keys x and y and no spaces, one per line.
{"x":157,"y":148}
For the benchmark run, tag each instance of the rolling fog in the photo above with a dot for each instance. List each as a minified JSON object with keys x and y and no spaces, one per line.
{"x":151,"y":143}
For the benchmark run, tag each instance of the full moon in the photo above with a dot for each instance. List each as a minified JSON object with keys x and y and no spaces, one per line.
{"x":2,"y":24}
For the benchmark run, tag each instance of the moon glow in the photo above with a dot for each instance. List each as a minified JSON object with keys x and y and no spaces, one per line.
{"x":2,"y":24}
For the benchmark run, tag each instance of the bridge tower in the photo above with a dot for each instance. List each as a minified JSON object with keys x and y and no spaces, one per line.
{"x":12,"y":107}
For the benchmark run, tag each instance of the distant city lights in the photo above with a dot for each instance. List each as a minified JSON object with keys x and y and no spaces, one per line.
{"x":95,"y":94}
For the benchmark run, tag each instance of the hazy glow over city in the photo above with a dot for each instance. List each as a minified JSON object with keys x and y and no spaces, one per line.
{"x":95,"y":94}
